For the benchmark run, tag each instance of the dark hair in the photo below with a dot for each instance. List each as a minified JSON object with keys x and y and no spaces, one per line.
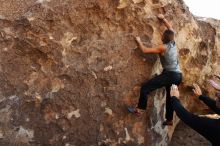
{"x":168,"y":36}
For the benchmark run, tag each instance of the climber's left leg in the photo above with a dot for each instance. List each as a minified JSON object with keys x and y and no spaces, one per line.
{"x":176,"y":79}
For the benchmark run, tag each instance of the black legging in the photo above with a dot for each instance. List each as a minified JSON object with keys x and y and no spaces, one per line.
{"x":166,"y":79}
{"x":207,"y":127}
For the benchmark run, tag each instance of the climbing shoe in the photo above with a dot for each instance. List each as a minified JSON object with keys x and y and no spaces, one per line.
{"x":168,"y":123}
{"x":134,"y":111}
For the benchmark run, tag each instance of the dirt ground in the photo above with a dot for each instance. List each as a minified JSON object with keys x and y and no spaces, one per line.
{"x":185,"y":136}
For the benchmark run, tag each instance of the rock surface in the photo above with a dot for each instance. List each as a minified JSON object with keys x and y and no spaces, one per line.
{"x":185,"y":136}
{"x":68,"y":70}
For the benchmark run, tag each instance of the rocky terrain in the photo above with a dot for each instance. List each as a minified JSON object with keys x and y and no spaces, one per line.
{"x":185,"y":136}
{"x":69,"y":69}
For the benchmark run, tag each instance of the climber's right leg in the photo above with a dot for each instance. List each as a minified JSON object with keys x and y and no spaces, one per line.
{"x":149,"y":86}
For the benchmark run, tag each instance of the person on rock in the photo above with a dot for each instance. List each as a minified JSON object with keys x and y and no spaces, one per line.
{"x":207,"y":127}
{"x":171,"y":73}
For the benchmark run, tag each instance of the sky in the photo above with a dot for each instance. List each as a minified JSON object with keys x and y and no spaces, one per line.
{"x":204,"y":8}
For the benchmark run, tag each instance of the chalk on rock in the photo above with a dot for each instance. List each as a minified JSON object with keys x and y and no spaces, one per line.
{"x":75,"y":113}
{"x":103,"y":104}
{"x":5,"y":49}
{"x":38,"y":97}
{"x":108,"y":68}
{"x":122,"y":4}
{"x":127,"y":136}
{"x":64,"y":137}
{"x":67,"y":39}
{"x":27,"y":120}
{"x":57,"y":116}
{"x":137,"y":1}
{"x":50,"y":36}
{"x":75,"y":38}
{"x":1,"y":134}
{"x":2,"y":17}
{"x":42,"y":1}
{"x":94,"y":74}
{"x":108,"y":110}
{"x":67,"y":144}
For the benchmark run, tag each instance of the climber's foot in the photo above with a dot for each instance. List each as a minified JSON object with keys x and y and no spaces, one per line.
{"x":135,"y":111}
{"x":168,"y":123}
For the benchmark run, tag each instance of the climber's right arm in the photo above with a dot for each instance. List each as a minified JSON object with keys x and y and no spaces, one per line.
{"x":156,"y":50}
{"x":165,"y":21}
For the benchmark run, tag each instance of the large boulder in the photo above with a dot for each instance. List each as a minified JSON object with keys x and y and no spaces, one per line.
{"x":69,"y":69}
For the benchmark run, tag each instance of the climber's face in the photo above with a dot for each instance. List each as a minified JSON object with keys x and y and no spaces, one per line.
{"x":168,"y":36}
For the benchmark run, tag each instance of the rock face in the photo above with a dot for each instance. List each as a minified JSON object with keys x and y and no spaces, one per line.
{"x":185,"y":136}
{"x":68,"y":70}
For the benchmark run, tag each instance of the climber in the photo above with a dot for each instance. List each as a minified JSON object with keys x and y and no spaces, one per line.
{"x":171,"y":73}
{"x":207,"y":127}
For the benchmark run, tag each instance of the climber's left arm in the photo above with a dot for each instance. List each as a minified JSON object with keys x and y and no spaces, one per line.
{"x":165,"y":21}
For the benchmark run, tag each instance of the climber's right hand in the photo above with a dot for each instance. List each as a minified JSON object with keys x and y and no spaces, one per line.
{"x":197,"y":91}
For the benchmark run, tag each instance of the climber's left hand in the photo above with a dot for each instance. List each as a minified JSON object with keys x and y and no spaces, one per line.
{"x":138,"y":39}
